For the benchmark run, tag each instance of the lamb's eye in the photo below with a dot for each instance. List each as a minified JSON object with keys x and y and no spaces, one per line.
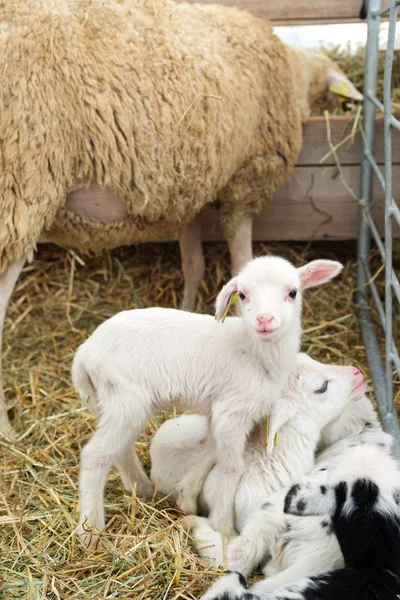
{"x":241,"y":296}
{"x":292,"y":294}
{"x":323,"y":388}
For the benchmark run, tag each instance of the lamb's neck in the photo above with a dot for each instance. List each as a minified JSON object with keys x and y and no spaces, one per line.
{"x":279,"y":356}
{"x":276,"y":357}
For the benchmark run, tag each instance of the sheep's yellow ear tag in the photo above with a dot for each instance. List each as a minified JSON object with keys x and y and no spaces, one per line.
{"x":233,"y":299}
{"x":276,"y":438}
{"x":341,"y":89}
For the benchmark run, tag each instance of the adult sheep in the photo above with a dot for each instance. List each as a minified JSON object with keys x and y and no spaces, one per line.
{"x":120,"y":120}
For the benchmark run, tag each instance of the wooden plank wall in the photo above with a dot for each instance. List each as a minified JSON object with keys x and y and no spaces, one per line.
{"x":297,"y":12}
{"x":315,"y":204}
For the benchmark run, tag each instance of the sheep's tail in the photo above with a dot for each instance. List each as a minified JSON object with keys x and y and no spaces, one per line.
{"x":84,"y":385}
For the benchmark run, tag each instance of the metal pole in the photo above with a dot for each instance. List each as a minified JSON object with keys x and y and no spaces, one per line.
{"x":381,"y":374}
{"x":367,"y":327}
{"x":390,"y":416}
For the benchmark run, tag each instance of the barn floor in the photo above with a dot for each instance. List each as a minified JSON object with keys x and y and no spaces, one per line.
{"x":57,"y":303}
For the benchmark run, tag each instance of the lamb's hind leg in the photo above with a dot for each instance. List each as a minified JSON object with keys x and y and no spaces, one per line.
{"x":132,"y":473}
{"x":112,"y":443}
{"x":8,"y":280}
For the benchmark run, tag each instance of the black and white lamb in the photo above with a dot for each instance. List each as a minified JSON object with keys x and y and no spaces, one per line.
{"x":362,"y":499}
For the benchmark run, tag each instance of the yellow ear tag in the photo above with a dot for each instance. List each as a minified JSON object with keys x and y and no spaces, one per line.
{"x":233,"y":299}
{"x":276,"y":438}
{"x":341,"y":89}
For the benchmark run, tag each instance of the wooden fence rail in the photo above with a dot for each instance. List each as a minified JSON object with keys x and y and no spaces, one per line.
{"x":298,"y":12}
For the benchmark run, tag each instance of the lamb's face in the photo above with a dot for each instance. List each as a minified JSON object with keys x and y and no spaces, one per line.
{"x":323,"y":391}
{"x":270,"y":295}
{"x":269,"y":290}
{"x":368,"y":477}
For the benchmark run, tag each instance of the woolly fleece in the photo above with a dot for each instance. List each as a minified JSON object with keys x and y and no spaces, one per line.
{"x":168,"y":106}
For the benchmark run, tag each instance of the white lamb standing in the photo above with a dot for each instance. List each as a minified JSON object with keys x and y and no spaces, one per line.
{"x":288,"y":546}
{"x":139,"y":361}
{"x":315,"y":395}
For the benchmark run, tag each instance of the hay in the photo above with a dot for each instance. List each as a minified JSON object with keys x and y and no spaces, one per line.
{"x":57,"y":303}
{"x":352,"y":64}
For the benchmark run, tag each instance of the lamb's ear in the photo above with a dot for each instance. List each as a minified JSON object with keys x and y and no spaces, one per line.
{"x":282,"y":411}
{"x":338,"y":84}
{"x":224,"y":299}
{"x":317,"y":272}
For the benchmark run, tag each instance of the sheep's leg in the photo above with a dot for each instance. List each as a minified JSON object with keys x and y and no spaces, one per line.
{"x":131,"y":471}
{"x":192,"y":483}
{"x":8,"y":280}
{"x":108,"y":446}
{"x":240,"y":244}
{"x":192,"y":261}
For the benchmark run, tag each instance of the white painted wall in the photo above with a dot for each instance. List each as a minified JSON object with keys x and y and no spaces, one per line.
{"x":312,"y":36}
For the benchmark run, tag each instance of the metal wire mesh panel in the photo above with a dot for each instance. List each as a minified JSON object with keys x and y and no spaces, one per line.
{"x":384,"y":362}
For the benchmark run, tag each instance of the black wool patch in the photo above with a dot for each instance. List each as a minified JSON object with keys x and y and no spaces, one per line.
{"x":291,"y":493}
{"x":300,"y":506}
{"x":396,"y":496}
{"x":242,"y":580}
{"x":327,"y":525}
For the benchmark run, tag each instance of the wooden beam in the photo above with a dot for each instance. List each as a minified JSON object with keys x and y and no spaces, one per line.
{"x":315,"y":144}
{"x":313,"y":205}
{"x":289,"y":12}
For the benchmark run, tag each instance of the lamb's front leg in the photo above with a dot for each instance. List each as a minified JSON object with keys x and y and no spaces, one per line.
{"x":255,"y":542}
{"x":230,"y":442}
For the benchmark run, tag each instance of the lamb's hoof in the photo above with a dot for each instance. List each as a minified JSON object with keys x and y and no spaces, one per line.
{"x":189,"y":523}
{"x":89,"y":537}
{"x":187,"y":503}
{"x":145,"y":490}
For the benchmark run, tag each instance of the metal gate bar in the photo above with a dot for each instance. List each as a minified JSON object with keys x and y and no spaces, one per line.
{"x":381,"y":369}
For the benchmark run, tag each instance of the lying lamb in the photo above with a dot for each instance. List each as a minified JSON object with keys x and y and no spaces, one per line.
{"x":233,"y":372}
{"x":314,"y":396}
{"x":290,"y":547}
{"x":361,"y":501}
{"x":298,"y":547}
{"x":121,"y":120}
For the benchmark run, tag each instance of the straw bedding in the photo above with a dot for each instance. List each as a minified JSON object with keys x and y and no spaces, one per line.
{"x":57,"y":303}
